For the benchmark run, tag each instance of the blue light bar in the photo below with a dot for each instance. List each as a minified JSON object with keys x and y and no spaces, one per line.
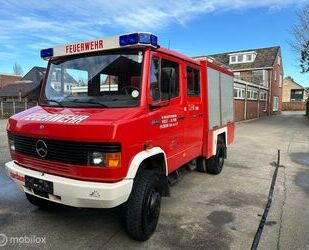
{"x":144,"y":38}
{"x":47,"y":52}
{"x":154,"y":40}
{"x":123,"y":40}
{"x":133,"y":38}
{"x":138,"y":38}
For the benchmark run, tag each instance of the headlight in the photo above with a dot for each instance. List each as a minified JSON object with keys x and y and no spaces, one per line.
{"x":108,"y":160}
{"x":98,"y":158}
{"x":12,"y":144}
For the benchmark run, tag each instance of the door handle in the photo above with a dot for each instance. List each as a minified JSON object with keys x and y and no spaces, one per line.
{"x":181,"y":117}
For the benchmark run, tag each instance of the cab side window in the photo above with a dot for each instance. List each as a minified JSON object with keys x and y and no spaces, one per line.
{"x":169,"y":79}
{"x":154,"y":80}
{"x":193,"y":82}
{"x":164,"y":81}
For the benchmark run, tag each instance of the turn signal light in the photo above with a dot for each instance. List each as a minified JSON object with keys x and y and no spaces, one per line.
{"x":113,"y":160}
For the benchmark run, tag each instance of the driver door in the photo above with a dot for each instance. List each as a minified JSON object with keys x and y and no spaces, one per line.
{"x":167,"y":112}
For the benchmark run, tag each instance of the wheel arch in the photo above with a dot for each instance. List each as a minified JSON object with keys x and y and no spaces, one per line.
{"x":153,"y":159}
{"x":219,"y":133}
{"x":154,"y":155}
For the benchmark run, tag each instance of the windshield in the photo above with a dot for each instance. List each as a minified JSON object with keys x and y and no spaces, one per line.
{"x":107,"y":80}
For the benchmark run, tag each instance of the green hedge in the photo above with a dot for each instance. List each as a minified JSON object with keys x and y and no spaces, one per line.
{"x":5,"y":116}
{"x":307,"y":107}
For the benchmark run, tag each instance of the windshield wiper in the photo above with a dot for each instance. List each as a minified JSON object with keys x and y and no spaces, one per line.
{"x":90,"y":102}
{"x":55,"y":101}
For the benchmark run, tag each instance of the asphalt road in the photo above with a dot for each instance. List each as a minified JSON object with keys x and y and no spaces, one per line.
{"x":203,"y":212}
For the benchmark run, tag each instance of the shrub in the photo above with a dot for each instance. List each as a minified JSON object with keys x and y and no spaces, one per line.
{"x":307,"y":107}
{"x":5,"y":116}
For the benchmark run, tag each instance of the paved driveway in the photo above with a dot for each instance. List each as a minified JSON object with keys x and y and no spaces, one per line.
{"x":204,"y":211}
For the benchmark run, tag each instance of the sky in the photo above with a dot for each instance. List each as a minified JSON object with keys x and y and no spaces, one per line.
{"x":191,"y":27}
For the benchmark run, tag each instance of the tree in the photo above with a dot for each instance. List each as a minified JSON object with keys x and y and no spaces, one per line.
{"x":17,"y":69}
{"x":301,"y":38}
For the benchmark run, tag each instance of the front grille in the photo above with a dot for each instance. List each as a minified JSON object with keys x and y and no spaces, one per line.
{"x":62,"y":151}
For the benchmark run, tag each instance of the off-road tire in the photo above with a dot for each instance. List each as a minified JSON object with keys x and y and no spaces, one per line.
{"x":143,"y":206}
{"x":215,"y":164}
{"x":201,"y":164}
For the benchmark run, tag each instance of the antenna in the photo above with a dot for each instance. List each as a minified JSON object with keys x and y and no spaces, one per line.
{"x":169,"y":44}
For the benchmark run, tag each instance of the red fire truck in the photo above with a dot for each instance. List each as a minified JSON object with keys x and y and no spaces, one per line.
{"x":117,"y":118}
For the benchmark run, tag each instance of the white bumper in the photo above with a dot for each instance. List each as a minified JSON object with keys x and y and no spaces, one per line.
{"x":74,"y":192}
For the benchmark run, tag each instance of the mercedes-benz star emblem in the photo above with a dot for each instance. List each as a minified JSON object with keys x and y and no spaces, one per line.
{"x":41,"y":148}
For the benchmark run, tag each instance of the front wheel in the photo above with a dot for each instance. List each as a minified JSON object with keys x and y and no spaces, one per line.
{"x":143,"y":206}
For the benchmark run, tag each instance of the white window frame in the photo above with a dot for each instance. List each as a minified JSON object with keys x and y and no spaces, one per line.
{"x":251,"y":56}
{"x":251,"y":95}
{"x":240,"y":58}
{"x":275,"y":103}
{"x":240,"y":93}
{"x":275,"y":77}
{"x":263,"y":96}
{"x":265,"y":78}
{"x":280,"y":80}
{"x":279,"y":60}
{"x":254,"y":95}
{"x":243,"y":55}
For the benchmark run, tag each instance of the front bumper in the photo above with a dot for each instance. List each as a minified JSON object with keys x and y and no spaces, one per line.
{"x":74,"y":192}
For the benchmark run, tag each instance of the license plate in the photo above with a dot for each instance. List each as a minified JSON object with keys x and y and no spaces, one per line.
{"x":39,"y":185}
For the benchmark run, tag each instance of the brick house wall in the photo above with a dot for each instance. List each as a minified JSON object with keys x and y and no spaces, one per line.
{"x":239,"y":110}
{"x":263,"y":108}
{"x":252,"y":109}
{"x":256,"y":71}
{"x":276,"y":87}
{"x":293,"y":106}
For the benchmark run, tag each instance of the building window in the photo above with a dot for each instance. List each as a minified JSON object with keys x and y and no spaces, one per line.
{"x":263,"y":95}
{"x":252,"y":94}
{"x":193,"y":82}
{"x":275,"y":77}
{"x":276,"y":103}
{"x":245,"y":57}
{"x":255,"y":95}
{"x":297,"y":95}
{"x":279,"y":60}
{"x":280,"y":81}
{"x":239,"y":93}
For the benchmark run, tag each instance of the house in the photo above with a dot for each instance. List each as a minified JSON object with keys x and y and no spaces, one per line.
{"x":258,"y":80}
{"x":294,"y":95}
{"x":6,"y":79}
{"x":293,"y":92}
{"x":26,"y":88}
